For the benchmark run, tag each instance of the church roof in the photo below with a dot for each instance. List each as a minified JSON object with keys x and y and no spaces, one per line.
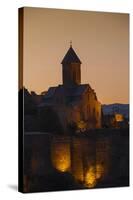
{"x":50,"y":92}
{"x":73,"y":91}
{"x":70,"y":57}
{"x":72,"y":94}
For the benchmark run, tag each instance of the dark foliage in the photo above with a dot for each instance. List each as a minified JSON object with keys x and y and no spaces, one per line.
{"x":49,"y":121}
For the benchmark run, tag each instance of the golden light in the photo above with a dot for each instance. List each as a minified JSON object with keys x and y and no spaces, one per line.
{"x":81,"y":125}
{"x":61,"y":156}
{"x":119,"y":117}
{"x":99,"y":171}
{"x":90,"y":177}
{"x":63,"y":163}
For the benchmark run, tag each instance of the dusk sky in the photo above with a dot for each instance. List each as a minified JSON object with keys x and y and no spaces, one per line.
{"x":101,"y":41}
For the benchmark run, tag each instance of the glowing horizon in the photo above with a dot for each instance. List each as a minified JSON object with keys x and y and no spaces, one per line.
{"x":101,"y":41}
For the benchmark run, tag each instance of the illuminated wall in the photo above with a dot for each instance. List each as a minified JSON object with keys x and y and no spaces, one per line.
{"x":85,"y":158}
{"x":91,"y":109}
{"x":102,"y":158}
{"x":90,"y":177}
{"x":60,"y":154}
{"x":89,"y":162}
{"x":77,"y":161}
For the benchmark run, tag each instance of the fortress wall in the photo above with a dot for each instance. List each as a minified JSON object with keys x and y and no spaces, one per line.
{"x":77,"y":159}
{"x":91,"y":157}
{"x":60,"y":154}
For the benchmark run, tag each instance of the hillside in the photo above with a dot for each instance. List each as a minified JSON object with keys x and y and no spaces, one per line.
{"x":119,"y":108}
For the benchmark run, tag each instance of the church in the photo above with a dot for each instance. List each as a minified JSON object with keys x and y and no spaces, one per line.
{"x":75,"y":104}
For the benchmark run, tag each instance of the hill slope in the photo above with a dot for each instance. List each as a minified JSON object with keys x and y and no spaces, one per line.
{"x":119,"y":108}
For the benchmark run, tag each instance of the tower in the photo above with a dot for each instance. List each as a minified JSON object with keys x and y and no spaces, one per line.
{"x":71,"y":71}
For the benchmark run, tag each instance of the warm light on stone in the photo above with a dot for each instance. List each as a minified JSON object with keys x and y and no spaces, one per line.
{"x":99,"y":171}
{"x":61,"y":156}
{"x":119,"y":117}
{"x":90,"y":177}
{"x":81,"y":125}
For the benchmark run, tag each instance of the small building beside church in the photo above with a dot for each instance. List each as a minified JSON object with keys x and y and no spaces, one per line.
{"x":75,"y":104}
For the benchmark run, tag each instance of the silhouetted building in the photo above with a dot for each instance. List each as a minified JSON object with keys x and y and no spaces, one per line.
{"x":76,"y":104}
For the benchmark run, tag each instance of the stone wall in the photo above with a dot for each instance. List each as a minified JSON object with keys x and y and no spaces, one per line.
{"x":98,"y":158}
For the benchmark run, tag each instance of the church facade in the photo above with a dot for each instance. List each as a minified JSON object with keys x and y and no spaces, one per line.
{"x":75,"y":104}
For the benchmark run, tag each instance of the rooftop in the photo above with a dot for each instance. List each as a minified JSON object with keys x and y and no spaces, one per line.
{"x":70,"y":57}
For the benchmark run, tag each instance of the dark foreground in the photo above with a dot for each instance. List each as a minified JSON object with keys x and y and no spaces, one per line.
{"x":96,"y":159}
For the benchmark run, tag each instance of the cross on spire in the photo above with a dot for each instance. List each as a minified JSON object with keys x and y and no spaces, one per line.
{"x":70,"y":43}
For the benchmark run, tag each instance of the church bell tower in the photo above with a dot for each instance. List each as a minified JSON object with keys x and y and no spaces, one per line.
{"x":71,"y":70}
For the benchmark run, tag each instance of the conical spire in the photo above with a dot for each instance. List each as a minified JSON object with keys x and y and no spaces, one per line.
{"x":71,"y":56}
